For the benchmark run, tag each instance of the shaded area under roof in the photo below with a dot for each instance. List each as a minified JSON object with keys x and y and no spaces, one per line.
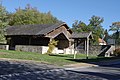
{"x":35,"y":29}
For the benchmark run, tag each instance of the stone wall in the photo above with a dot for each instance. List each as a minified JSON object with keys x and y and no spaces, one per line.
{"x":5,"y":47}
{"x":117,"y":46}
{"x":37,"y":49}
{"x":95,"y":49}
{"x":69,"y":51}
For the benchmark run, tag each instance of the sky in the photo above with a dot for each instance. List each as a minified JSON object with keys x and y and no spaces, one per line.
{"x":70,"y":10}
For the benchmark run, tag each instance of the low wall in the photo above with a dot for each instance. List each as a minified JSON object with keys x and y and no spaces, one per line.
{"x":69,"y":51}
{"x":97,"y":49}
{"x":45,"y":48}
{"x":93,"y":49}
{"x":5,"y":47}
{"x":37,"y":49}
{"x":117,"y":46}
{"x":25,"y":48}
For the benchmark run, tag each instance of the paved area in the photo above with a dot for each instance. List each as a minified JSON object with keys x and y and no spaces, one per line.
{"x":108,"y":70}
{"x":16,"y":70}
{"x":80,"y":65}
{"x":28,"y":70}
{"x":107,"y":73}
{"x":111,"y":63}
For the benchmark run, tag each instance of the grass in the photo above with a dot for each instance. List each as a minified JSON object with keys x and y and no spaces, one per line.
{"x":58,"y":59}
{"x":53,"y":59}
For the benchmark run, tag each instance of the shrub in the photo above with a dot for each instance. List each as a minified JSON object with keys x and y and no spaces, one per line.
{"x":51,"y":45}
{"x":117,"y":52}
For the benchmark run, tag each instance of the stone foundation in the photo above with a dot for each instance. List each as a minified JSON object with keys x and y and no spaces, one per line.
{"x":43,"y":49}
{"x":37,"y":49}
{"x":93,"y":49}
{"x":5,"y":47}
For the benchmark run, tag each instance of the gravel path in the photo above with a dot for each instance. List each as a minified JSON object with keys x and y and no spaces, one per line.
{"x":16,"y":70}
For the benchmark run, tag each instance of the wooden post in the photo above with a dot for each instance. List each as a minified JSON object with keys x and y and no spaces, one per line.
{"x":85,"y":46}
{"x":74,"y":49}
{"x":87,"y":52}
{"x":69,"y":43}
{"x":70,"y":46}
{"x":29,"y":40}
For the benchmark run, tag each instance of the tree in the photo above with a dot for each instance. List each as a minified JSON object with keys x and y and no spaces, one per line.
{"x":116,"y":35}
{"x":97,"y":30}
{"x":115,"y":26}
{"x":31,"y":15}
{"x":106,"y":35}
{"x":94,"y":26}
{"x":3,"y":22}
{"x":80,"y":26}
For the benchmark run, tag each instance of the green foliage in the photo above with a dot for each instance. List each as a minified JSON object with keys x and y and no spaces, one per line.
{"x":96,"y":21}
{"x":28,"y":15}
{"x":31,"y":15}
{"x":3,"y":22}
{"x":106,"y":35}
{"x":116,"y":35}
{"x":51,"y":45}
{"x":79,"y":26}
{"x":98,"y":31}
{"x":94,"y":26}
{"x":115,"y":26}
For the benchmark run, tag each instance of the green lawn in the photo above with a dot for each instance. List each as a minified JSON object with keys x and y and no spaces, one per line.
{"x":61,"y":59}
